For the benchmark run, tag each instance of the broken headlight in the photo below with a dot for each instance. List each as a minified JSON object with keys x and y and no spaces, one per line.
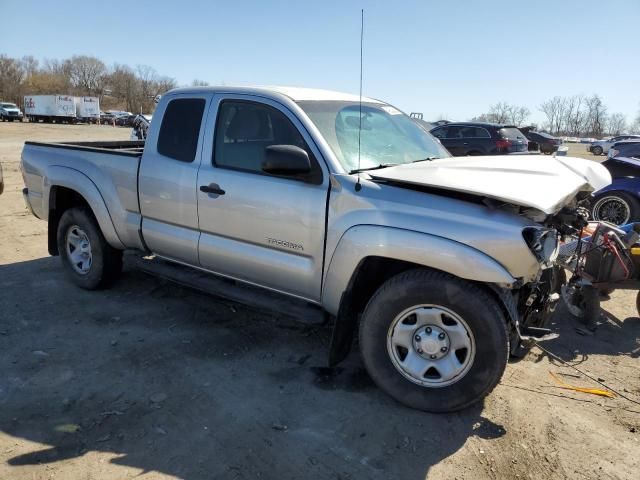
{"x":543,"y":243}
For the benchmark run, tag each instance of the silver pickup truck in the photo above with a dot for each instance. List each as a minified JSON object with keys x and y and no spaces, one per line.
{"x":441,"y":266}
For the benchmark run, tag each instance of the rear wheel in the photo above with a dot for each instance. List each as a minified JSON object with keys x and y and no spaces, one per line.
{"x":433,"y":342}
{"x":89,"y":261}
{"x":597,"y":150}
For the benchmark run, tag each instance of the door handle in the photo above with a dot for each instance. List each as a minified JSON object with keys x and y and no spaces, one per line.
{"x":212,"y":188}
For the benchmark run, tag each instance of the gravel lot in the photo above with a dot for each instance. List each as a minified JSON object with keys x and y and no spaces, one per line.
{"x":154,"y":380}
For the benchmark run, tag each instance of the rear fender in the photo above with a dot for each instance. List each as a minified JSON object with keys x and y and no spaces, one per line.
{"x":58,"y":176}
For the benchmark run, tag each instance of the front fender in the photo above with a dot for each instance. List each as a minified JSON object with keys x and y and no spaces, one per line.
{"x":58,"y":176}
{"x":440,"y":253}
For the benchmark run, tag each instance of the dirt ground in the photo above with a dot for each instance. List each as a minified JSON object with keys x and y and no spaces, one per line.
{"x":153,"y":380}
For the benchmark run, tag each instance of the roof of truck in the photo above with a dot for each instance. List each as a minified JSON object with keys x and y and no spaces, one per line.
{"x":297,"y":94}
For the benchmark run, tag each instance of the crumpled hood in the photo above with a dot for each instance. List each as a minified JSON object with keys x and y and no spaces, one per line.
{"x":542,"y":182}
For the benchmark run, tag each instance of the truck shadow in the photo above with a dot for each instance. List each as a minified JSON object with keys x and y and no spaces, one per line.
{"x":167,"y":379}
{"x":614,"y":336}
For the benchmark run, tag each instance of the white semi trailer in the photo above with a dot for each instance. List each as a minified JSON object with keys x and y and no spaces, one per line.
{"x":88,"y":109}
{"x":50,"y":108}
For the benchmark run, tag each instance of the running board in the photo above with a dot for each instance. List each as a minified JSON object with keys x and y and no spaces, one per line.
{"x":261,"y":299}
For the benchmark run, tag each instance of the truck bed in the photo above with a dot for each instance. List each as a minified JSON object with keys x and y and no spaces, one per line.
{"x":112,"y":169}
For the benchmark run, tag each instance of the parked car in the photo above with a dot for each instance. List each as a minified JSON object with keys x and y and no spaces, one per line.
{"x":475,"y":138}
{"x":619,"y":202}
{"x":106,"y":117}
{"x":140,"y":126}
{"x":602,"y":146}
{"x":545,"y":143}
{"x":440,"y":265}
{"x":125,"y":120}
{"x":10,"y":112}
{"x":625,"y":148}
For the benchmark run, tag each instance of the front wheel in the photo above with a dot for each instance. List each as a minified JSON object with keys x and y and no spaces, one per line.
{"x":89,"y":261}
{"x":597,"y":150}
{"x":434,"y":342}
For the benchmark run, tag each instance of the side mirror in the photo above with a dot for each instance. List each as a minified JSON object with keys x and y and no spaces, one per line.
{"x":286,"y":160}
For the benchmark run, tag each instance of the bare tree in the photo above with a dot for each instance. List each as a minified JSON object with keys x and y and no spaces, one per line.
{"x":574,"y":115}
{"x":30,"y":65}
{"x":503,"y":112}
{"x":554,"y":111}
{"x":11,"y":77}
{"x":518,"y":115}
{"x":87,"y":74}
{"x":596,"y":116}
{"x":123,"y":84}
{"x":635,"y":128}
{"x":617,"y":124}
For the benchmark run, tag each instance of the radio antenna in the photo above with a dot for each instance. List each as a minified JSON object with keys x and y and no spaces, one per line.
{"x":358,"y":186}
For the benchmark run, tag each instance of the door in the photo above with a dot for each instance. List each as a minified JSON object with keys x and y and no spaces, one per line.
{"x":264,"y":229}
{"x":454,"y":141}
{"x":442,"y":134}
{"x":168,"y":176}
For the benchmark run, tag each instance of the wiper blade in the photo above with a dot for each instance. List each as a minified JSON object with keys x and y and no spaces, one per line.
{"x":425,"y":159}
{"x":382,"y":165}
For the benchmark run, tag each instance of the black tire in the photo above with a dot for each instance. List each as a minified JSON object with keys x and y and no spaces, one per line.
{"x":638,"y":303}
{"x":597,"y":150}
{"x":476,"y":307}
{"x":613,"y":206}
{"x":106,"y":261}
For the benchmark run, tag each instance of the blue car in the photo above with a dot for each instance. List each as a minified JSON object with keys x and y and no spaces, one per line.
{"x":619,"y":203}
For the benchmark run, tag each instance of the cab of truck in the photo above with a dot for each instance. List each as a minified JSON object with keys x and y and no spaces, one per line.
{"x":10,"y":112}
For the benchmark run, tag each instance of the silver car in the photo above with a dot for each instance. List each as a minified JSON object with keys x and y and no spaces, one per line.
{"x":600,"y":147}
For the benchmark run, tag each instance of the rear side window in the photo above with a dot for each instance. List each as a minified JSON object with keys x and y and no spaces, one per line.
{"x":178,"y":138}
{"x":440,"y":132}
{"x":474,"y":132}
{"x":511,"y":133}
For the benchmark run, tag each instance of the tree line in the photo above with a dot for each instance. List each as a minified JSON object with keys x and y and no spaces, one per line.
{"x":119,"y":87}
{"x":573,"y":116}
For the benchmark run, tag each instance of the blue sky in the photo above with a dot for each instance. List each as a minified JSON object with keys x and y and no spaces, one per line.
{"x":438,"y":57}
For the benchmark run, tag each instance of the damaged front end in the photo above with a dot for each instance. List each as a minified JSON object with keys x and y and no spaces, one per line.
{"x":532,"y":303}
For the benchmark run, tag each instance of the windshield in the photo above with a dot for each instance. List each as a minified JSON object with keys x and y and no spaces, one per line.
{"x":388,"y":136}
{"x":9,"y":105}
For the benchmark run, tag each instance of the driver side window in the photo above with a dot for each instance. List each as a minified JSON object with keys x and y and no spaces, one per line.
{"x":245,"y":129}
